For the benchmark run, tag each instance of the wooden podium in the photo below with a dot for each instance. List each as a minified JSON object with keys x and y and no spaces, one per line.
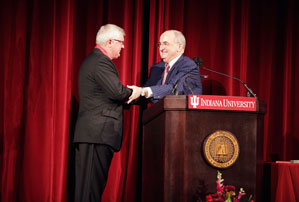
{"x":173,"y":165}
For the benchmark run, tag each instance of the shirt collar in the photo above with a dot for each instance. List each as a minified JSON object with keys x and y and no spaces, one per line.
{"x":102,"y":49}
{"x":172,"y":62}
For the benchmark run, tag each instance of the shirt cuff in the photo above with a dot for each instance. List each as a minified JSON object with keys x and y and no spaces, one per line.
{"x":149,"y":92}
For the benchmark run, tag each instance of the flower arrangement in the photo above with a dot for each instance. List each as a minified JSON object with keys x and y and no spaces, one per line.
{"x":224,"y":193}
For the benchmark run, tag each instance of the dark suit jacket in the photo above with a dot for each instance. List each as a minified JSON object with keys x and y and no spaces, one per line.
{"x":186,"y":73}
{"x":102,"y":96}
{"x":156,"y":73}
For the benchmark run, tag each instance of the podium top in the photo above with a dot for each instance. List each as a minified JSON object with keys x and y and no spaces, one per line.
{"x":208,"y":103}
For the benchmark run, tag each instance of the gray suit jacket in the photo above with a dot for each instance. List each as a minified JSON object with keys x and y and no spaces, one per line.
{"x":102,"y":95}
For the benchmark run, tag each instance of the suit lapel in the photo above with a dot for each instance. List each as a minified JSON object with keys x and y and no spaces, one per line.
{"x":174,"y":69}
{"x":99,"y":52}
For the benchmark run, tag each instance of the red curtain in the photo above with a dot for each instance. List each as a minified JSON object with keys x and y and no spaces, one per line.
{"x":44,"y":42}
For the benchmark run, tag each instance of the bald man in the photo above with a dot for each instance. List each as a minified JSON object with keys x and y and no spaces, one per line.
{"x":179,"y":70}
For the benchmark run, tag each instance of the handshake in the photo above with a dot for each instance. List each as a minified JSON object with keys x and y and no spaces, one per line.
{"x":137,"y":92}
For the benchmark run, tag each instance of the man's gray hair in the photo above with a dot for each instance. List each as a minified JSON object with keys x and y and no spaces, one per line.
{"x":179,"y":37}
{"x":107,"y":32}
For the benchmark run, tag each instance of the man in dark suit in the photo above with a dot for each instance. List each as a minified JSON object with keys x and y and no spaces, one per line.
{"x":98,"y":132}
{"x":180,"y":73}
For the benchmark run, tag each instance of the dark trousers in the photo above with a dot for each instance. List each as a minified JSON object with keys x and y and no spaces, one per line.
{"x":92,"y":165}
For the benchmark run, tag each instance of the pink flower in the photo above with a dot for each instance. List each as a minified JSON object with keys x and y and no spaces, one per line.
{"x":224,"y":193}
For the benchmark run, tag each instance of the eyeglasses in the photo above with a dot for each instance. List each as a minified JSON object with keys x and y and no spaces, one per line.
{"x":122,"y":42}
{"x":165,"y":43}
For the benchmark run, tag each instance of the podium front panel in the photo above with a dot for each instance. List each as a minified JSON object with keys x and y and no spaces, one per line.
{"x":173,"y":164}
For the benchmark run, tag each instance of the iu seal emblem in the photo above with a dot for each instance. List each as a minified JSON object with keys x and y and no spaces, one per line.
{"x":221,"y":149}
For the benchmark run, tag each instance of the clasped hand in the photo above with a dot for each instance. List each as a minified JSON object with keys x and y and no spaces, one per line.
{"x":135,"y":94}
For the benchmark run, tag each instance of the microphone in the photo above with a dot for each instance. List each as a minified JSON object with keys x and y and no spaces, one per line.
{"x":198,"y":61}
{"x":250,"y":93}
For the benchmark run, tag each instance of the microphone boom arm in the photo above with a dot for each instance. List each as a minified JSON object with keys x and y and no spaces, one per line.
{"x":249,"y":91}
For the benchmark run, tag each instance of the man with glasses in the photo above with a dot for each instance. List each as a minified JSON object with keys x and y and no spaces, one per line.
{"x":98,"y":132}
{"x":180,"y":73}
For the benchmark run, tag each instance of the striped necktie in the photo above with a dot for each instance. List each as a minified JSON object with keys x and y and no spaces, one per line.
{"x":165,"y":72}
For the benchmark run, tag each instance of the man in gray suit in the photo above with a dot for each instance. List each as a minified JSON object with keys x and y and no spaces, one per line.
{"x":98,"y":132}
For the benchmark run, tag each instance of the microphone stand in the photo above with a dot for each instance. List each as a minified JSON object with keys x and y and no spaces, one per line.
{"x":250,"y":93}
{"x":174,"y":90}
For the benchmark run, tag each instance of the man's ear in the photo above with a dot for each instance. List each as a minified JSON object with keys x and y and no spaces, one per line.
{"x":109,"y":42}
{"x":180,"y":47}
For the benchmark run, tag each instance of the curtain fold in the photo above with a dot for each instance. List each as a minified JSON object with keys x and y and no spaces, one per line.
{"x":43,"y":44}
